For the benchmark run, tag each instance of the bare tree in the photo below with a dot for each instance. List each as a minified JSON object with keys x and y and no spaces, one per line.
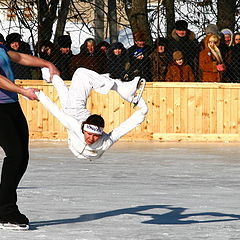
{"x":62,"y":18}
{"x":138,"y":17}
{"x":99,"y":20}
{"x":112,"y":20}
{"x":226,"y":14}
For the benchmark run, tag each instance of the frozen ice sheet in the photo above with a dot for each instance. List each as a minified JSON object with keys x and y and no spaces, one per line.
{"x":136,"y":191}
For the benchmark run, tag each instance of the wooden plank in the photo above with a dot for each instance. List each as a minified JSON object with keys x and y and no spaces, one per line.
{"x":213,"y":111}
{"x":191,"y":111}
{"x":205,"y":111}
{"x":170,"y":111}
{"x":220,"y":112}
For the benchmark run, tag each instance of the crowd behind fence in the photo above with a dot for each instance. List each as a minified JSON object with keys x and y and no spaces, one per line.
{"x":178,"y":58}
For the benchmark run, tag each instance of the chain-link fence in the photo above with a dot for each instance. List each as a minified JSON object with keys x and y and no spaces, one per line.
{"x":181,"y":57}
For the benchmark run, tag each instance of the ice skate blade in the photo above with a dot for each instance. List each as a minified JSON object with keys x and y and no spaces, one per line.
{"x":139,"y":92}
{"x":15,"y":227}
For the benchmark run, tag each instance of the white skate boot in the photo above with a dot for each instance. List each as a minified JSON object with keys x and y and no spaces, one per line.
{"x":131,"y":91}
{"x":139,"y":91}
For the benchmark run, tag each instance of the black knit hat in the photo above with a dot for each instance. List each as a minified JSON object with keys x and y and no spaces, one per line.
{"x":64,"y":41}
{"x":13,"y":37}
{"x":161,"y":41}
{"x":181,"y":25}
{"x":2,"y":38}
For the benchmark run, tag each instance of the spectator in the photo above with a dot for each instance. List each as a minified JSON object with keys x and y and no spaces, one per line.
{"x":63,"y":56}
{"x":236,"y":38}
{"x":47,"y":50}
{"x":182,"y":39}
{"x":14,"y":43}
{"x":103,"y":46}
{"x":2,"y":39}
{"x":178,"y":70}
{"x":89,"y":57}
{"x":225,"y":47}
{"x":139,"y":57}
{"x":159,"y":60}
{"x":117,"y":61}
{"x":211,"y":29}
{"x":234,"y":63}
{"x":210,"y":60}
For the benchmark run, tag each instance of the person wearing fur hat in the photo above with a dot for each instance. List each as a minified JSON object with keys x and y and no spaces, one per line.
{"x":159,"y":61}
{"x":139,"y":57}
{"x":184,"y":40}
{"x":63,"y":56}
{"x":210,"y":60}
{"x":117,"y":61}
{"x":178,"y":70}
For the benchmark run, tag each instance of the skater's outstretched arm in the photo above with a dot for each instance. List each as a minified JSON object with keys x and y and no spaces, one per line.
{"x":67,"y":121}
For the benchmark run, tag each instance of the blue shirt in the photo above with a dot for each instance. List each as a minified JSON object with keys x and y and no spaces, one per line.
{"x":6,"y":71}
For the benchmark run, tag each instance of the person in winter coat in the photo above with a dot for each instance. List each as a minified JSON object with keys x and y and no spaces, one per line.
{"x":117,"y":60}
{"x":184,"y":40}
{"x":159,"y":61}
{"x":14,"y":43}
{"x":139,"y":57}
{"x":234,"y":63}
{"x":90,"y":57}
{"x":178,"y":70}
{"x":63,"y":56}
{"x":86,"y":137}
{"x":210,"y":60}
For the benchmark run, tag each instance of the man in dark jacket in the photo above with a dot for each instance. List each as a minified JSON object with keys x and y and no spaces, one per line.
{"x":139,"y":57}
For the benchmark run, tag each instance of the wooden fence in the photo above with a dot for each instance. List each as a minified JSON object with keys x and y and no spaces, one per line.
{"x":177,"y":112}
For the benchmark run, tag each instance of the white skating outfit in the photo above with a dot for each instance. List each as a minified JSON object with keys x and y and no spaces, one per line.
{"x":74,"y":112}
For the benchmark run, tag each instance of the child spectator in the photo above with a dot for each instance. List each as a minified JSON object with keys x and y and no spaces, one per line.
{"x":179,"y":70}
{"x":159,"y":60}
{"x":210,"y":60}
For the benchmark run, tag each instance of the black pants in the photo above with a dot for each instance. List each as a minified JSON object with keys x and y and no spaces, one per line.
{"x":14,"y":142}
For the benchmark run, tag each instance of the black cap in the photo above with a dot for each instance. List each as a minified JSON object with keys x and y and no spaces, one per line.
{"x":13,"y":37}
{"x":64,"y":41}
{"x":181,"y":25}
{"x":2,"y":38}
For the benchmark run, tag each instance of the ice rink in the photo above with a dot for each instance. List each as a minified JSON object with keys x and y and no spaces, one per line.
{"x":136,"y":191}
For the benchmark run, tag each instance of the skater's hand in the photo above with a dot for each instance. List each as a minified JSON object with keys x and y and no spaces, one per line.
{"x":29,"y":93}
{"x":53,"y":71}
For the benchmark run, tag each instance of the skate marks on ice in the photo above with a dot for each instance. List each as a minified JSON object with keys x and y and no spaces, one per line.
{"x":170,"y":216}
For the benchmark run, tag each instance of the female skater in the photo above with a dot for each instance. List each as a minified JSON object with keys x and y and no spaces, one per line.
{"x":86,"y":137}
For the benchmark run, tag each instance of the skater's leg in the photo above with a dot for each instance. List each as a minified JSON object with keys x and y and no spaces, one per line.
{"x":59,"y":85}
{"x":83,"y":81}
{"x":126,"y":89}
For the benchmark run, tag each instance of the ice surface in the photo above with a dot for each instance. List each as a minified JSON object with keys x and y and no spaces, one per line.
{"x":136,"y":191}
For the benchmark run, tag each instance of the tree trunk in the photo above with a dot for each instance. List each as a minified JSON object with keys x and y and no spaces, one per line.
{"x":226,"y":14}
{"x":62,"y":18}
{"x":138,"y":17}
{"x":112,"y":19}
{"x":170,"y":16}
{"x":99,"y":20}
{"x":46,"y":18}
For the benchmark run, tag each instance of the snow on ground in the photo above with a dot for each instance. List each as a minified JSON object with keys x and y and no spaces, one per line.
{"x":136,"y":191}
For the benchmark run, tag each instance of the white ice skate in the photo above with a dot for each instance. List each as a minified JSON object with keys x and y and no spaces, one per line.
{"x":139,"y":91}
{"x":11,"y":226}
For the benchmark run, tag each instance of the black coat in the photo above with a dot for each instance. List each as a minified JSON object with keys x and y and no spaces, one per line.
{"x":117,"y":63}
{"x":140,"y":67}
